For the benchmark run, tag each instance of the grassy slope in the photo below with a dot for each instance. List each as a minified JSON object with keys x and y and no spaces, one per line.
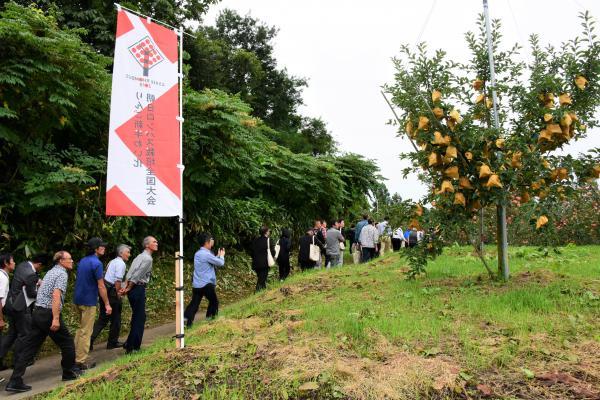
{"x":365,"y":332}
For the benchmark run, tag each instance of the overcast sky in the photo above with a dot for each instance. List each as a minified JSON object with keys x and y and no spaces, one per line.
{"x":344,"y":49}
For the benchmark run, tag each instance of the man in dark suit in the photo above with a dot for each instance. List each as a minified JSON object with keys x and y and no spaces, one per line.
{"x":24,"y":283}
{"x":260,"y":264}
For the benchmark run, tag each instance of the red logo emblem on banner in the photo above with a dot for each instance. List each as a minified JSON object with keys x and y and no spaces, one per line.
{"x":146,"y":53}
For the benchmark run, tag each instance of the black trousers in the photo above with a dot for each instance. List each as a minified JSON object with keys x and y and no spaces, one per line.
{"x":41,"y":320}
{"x":396,"y":244}
{"x":208,"y":291}
{"x":18,"y":328}
{"x":261,"y":278}
{"x":114,"y":318}
{"x":137,"y":300}
{"x":367,"y":254}
{"x":284,"y":267}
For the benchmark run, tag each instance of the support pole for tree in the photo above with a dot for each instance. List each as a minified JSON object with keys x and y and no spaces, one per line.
{"x":501,"y":234}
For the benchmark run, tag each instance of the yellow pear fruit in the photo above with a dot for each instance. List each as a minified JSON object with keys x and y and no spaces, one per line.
{"x":565,"y":98}
{"x":545,"y":134}
{"x":515,"y":162}
{"x":480,"y":98}
{"x":459,"y":199}
{"x":477,"y":84}
{"x":451,"y":152}
{"x":563,"y":174}
{"x":580,"y":81}
{"x":489,"y":103}
{"x":541,"y":221}
{"x":499,"y":143}
{"x":438,"y":112}
{"x":545,"y":163}
{"x":469,"y":155}
{"x":525,"y":197}
{"x":537,"y":185}
{"x":566,"y":120}
{"x":436,"y":96}
{"x":446,"y":187}
{"x":434,"y":159}
{"x":464,"y":183}
{"x":596,"y":171}
{"x":409,"y":128}
{"x":440,"y":140}
{"x":554,"y":174}
{"x":554,"y":128}
{"x":494,"y":181}
{"x":455,"y":115}
{"x":452,"y":172}
{"x":423,"y":123}
{"x":419,"y":210}
{"x":548,"y":117}
{"x":484,"y":171}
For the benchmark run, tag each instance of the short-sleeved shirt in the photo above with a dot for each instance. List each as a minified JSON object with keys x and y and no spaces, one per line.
{"x":56,"y":278}
{"x":333,"y":240}
{"x":141,"y":268}
{"x":4,"y":285}
{"x":89,"y":271}
{"x":115,"y":271}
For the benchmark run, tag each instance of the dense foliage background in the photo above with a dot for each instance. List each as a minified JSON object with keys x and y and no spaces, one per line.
{"x":250,"y":157}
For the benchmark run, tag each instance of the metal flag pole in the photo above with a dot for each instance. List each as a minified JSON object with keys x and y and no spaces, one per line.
{"x":180,"y":335}
{"x":501,"y":236}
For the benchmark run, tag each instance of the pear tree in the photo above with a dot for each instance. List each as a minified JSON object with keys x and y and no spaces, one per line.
{"x":545,"y":102}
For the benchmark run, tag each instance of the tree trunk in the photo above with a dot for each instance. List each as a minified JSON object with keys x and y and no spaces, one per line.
{"x":502,"y":241}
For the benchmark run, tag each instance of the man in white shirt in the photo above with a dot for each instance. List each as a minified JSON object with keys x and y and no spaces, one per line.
{"x":369,"y":237}
{"x":397,"y":239}
{"x":115,"y":272}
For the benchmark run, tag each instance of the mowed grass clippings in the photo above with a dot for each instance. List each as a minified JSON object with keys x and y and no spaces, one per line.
{"x":364,"y":332}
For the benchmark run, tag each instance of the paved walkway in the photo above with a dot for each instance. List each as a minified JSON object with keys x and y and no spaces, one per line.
{"x":45,"y":374}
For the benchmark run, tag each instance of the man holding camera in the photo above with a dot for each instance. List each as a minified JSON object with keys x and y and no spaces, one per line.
{"x":205,"y":279}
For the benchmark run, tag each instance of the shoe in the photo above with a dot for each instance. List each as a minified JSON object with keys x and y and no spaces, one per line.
{"x":17,"y":387}
{"x":110,"y":346}
{"x":71,"y":375}
{"x":85,"y":366}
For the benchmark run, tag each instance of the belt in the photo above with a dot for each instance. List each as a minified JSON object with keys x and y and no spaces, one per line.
{"x":42,"y":308}
{"x":143,"y":284}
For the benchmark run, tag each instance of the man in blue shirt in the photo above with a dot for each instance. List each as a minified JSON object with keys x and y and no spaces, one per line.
{"x":205,"y":279}
{"x":88,"y":285}
{"x":359,"y":227}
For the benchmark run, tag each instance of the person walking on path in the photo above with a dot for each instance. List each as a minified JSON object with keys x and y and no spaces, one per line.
{"x":385,"y":236}
{"x":19,"y":303}
{"x":47,"y":320}
{"x":319,"y":236}
{"x":137,"y":278}
{"x":115,"y":272}
{"x":304,"y":253}
{"x":333,"y":240}
{"x":341,"y":226}
{"x":369,"y":237}
{"x":89,"y":284}
{"x":397,"y":239}
{"x":283,"y":258}
{"x":7,"y":265}
{"x":205,"y":279}
{"x":260,"y":264}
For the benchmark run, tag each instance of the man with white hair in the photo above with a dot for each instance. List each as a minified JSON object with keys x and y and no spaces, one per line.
{"x":137,"y":280}
{"x":115,"y":272}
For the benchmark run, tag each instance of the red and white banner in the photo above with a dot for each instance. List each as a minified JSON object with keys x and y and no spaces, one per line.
{"x":143,"y":177}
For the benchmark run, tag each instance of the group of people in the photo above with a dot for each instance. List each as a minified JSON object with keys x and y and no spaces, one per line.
{"x":33,"y":306}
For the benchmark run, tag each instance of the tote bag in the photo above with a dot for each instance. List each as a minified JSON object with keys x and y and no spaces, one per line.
{"x":270,"y":259}
{"x":277,"y":248}
{"x":315,"y":251}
